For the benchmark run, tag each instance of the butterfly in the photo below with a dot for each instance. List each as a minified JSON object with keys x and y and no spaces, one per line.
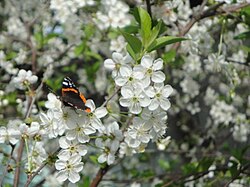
{"x":72,"y":97}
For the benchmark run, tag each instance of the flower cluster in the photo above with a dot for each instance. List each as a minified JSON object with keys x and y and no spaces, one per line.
{"x":144,"y":94}
{"x":74,"y":129}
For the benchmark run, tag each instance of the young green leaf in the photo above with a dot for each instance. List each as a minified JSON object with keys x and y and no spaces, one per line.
{"x":163,"y":41}
{"x":146,"y":25}
{"x":154,"y":33}
{"x":133,"y":42}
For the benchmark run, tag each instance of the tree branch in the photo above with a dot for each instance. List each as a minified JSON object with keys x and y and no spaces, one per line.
{"x":212,"y":11}
{"x":99,"y":176}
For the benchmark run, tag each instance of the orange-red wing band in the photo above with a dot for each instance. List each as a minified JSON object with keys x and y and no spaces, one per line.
{"x":69,"y":89}
{"x":88,"y":110}
{"x":83,"y":98}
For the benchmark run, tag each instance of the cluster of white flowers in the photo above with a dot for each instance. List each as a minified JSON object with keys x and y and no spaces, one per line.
{"x":222,"y":113}
{"x":114,"y":14}
{"x":31,"y":133}
{"x":74,"y":129}
{"x":65,"y":9}
{"x":23,"y":79}
{"x":144,"y":94}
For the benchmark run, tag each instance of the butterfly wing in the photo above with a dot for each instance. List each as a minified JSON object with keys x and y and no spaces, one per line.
{"x":71,"y":95}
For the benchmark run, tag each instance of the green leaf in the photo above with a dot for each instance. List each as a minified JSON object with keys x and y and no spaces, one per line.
{"x":79,"y":49}
{"x":86,"y":181}
{"x":131,"y":29}
{"x":133,"y":42}
{"x":93,"y":158}
{"x":137,"y":15}
{"x":48,"y":37}
{"x":243,"y":35}
{"x":205,"y":163}
{"x":131,"y":52}
{"x":169,"y":56}
{"x":146,"y":25}
{"x":154,"y":33}
{"x":163,"y":41}
{"x":164,"y":164}
{"x":189,"y":168}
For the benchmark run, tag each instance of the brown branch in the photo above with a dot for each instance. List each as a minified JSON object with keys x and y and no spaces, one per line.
{"x":212,"y":11}
{"x":241,"y":170}
{"x":99,"y":176}
{"x":21,"y":146}
{"x":149,"y":8}
{"x":18,"y":161}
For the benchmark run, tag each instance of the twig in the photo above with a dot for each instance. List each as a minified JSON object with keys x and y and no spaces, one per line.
{"x":32,"y":176}
{"x":21,"y":146}
{"x":149,"y":8}
{"x":99,"y":176}
{"x":242,"y":168}
{"x":212,"y":11}
{"x":105,"y":103}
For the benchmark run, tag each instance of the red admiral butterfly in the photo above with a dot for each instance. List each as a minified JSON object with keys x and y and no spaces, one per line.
{"x":71,"y":95}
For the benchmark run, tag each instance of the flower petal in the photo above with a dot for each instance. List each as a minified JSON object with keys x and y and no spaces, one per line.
{"x":147,"y":61}
{"x":165,"y":104}
{"x":158,"y":77}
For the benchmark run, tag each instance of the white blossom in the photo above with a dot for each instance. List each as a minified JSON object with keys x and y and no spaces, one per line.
{"x":69,"y":167}
{"x":134,"y":99}
{"x":24,"y":78}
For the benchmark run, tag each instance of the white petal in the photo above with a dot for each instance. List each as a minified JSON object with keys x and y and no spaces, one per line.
{"x":167,"y":90}
{"x":59,"y":164}
{"x":127,"y":92}
{"x":135,"y":108}
{"x":75,"y":159}
{"x":71,"y":135}
{"x":74,"y":177}
{"x":144,"y":101}
{"x":147,"y":61}
{"x":82,"y":138}
{"x":96,"y":123}
{"x":158,"y":64}
{"x":150,"y":91}
{"x":146,"y":81}
{"x":63,"y":143}
{"x":90,"y":103}
{"x":165,"y":104}
{"x":120,"y":81}
{"x":117,"y":57}
{"x":64,"y":155}
{"x":154,"y":104}
{"x":145,"y":139}
{"x":78,"y":167}
{"x":158,"y":77}
{"x":110,"y":159}
{"x":138,"y":72}
{"x":89,"y":130}
{"x":158,"y":87}
{"x":109,"y":64}
{"x":124,"y":102}
{"x":62,"y":175}
{"x":102,"y":158}
{"x":125,"y":71}
{"x":101,"y":112}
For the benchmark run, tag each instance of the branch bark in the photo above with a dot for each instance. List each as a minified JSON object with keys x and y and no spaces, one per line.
{"x":99,"y":176}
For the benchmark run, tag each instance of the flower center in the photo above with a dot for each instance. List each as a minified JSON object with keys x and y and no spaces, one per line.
{"x":134,"y":99}
{"x":149,"y":71}
{"x":158,"y":95}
